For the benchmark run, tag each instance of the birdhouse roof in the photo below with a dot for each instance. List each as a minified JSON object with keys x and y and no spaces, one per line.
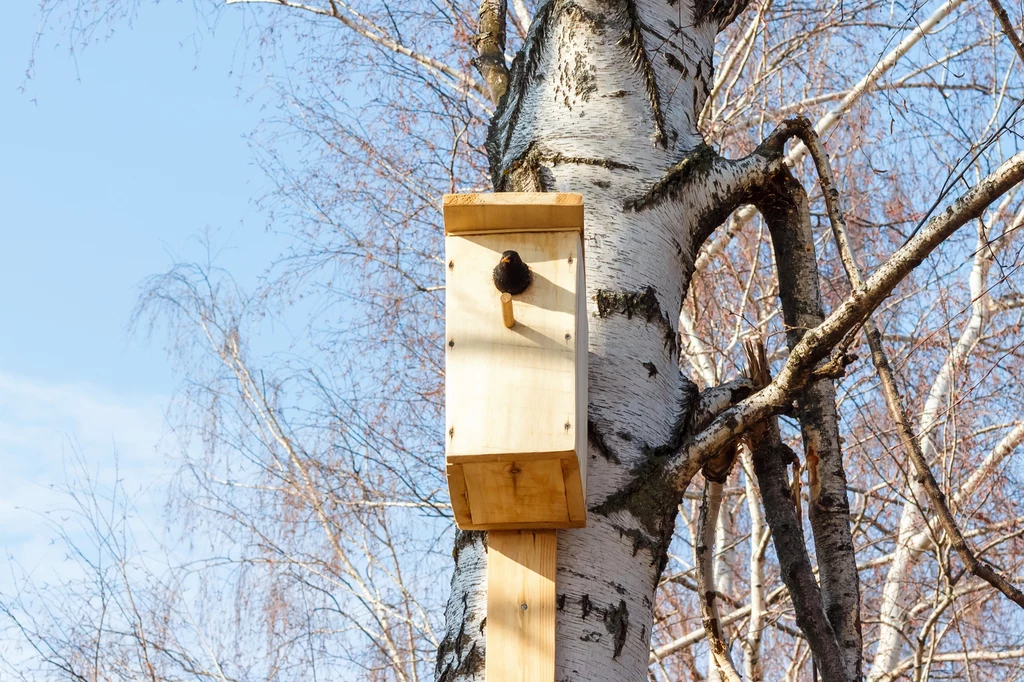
{"x":469,"y":214}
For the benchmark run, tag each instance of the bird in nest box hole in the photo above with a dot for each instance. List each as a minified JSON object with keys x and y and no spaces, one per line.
{"x":511,"y":274}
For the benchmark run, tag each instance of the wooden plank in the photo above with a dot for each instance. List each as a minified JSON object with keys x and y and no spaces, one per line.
{"x":516,"y":492}
{"x":466,"y":214}
{"x":575,"y":494}
{"x":533,"y":525}
{"x":582,"y":398}
{"x":510,"y":457}
{"x":513,"y":390}
{"x":459,"y":495}
{"x":521,"y":606}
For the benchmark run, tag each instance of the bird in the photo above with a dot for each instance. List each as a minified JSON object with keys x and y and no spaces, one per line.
{"x":511,"y":274}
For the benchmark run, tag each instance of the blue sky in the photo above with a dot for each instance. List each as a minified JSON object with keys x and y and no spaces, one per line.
{"x":110,"y":166}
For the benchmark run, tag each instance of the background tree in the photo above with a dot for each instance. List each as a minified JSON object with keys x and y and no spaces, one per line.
{"x":319,"y":484}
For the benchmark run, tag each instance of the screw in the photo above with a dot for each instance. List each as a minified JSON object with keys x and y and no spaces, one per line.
{"x":451,"y":265}
{"x":568,"y":337}
{"x":451,"y":344}
{"x":570,"y":260}
{"x":567,"y":426}
{"x":451,"y":432}
{"x":523,"y":607}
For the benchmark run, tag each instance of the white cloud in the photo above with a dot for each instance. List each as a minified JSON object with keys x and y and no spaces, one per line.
{"x":47,"y":430}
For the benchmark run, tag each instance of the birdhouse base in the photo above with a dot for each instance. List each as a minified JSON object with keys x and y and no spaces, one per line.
{"x":520,"y":491}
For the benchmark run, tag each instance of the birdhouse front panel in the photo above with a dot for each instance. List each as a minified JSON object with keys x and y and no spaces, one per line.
{"x":515,"y":368}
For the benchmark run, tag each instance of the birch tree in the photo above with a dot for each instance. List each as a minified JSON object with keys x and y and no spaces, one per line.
{"x":733,"y":276}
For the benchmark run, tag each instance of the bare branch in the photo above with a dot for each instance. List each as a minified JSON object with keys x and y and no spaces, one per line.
{"x":1007,"y":26}
{"x":490,"y":47}
{"x":893,"y":400}
{"x":374,"y":33}
{"x":770,"y":457}
{"x":818,"y":342}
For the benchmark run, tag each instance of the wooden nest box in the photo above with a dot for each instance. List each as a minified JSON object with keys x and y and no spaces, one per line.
{"x":516,"y":360}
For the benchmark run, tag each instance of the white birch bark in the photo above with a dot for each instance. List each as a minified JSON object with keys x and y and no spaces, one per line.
{"x":603,"y":100}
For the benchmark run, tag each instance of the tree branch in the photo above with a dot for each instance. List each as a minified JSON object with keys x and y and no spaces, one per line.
{"x":770,"y":458}
{"x":490,"y":47}
{"x":1007,"y":26}
{"x":787,"y":216}
{"x":375,"y":34}
{"x":715,"y":474}
{"x":893,"y":400}
{"x":818,"y":342}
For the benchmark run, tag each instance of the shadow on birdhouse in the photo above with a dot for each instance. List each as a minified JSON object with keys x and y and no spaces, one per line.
{"x":516,"y":365}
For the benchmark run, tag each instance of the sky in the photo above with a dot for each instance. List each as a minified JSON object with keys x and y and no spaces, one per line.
{"x":112,"y":163}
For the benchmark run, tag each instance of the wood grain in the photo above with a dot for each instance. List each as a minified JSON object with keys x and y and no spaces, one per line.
{"x":521,"y":606}
{"x":516,"y":395}
{"x":466,"y":214}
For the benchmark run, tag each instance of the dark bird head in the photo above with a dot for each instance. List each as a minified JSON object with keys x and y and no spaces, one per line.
{"x":511,"y":274}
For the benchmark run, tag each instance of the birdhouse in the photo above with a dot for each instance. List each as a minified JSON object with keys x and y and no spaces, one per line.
{"x":516,"y":360}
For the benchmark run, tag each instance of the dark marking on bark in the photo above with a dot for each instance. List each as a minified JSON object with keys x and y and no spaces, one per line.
{"x":561,"y":602}
{"x":617,"y":94}
{"x":652,"y":371}
{"x":584,"y":75}
{"x":556,"y":159}
{"x":592,"y":636}
{"x":633,"y":42}
{"x":649,"y":496}
{"x":483,"y":624}
{"x":616,"y":621}
{"x":586,"y":606}
{"x":628,"y":437}
{"x":526,"y":172}
{"x":639,"y":539}
{"x":717,"y":468}
{"x":722,"y":12}
{"x":697,"y":161}
{"x":467,"y":664}
{"x":464,"y":538}
{"x":639,"y":304}
{"x":675,"y":63}
{"x":603,"y":184}
{"x":596,"y":20}
{"x":577,"y":574}
{"x":523,"y":174}
{"x":597,"y":441}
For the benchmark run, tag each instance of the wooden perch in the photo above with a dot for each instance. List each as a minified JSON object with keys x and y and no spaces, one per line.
{"x":506,"y":310}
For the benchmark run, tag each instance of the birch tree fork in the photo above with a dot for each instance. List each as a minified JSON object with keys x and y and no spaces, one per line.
{"x":603,"y":100}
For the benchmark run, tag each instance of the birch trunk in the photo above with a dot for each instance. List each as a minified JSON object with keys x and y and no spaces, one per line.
{"x":603,"y":100}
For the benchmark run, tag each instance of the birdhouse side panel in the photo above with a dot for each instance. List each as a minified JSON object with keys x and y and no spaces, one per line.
{"x":578,"y":503}
{"x":511,"y":391}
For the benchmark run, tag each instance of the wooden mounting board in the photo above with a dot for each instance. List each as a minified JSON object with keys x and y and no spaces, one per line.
{"x":521,"y":606}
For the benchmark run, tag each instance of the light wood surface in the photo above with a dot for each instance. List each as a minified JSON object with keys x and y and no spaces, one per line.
{"x":516,"y":396}
{"x":521,"y":606}
{"x":516,"y":492}
{"x":512,"y":212}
